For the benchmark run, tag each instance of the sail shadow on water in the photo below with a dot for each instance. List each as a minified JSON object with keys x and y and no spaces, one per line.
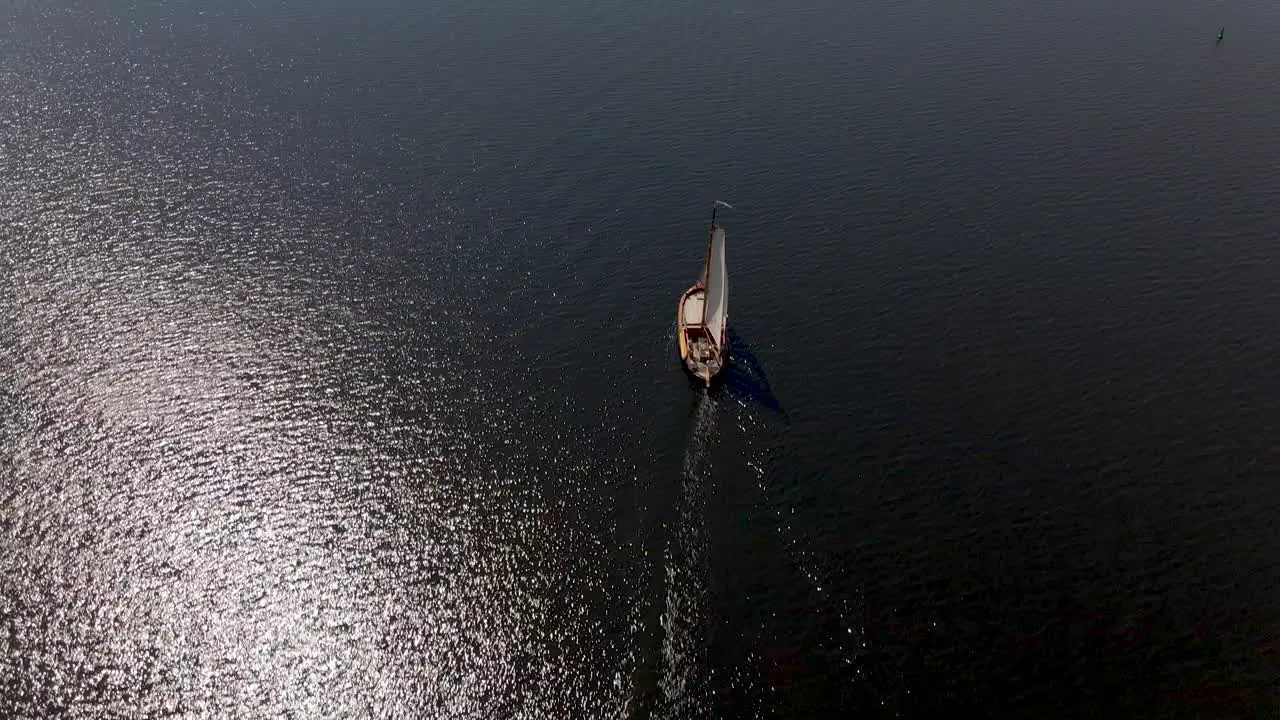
{"x":745,"y":379}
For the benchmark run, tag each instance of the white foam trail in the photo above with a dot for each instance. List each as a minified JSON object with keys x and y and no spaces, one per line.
{"x":684,"y":620}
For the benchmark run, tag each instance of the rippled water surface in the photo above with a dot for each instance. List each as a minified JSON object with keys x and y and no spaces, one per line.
{"x":337,"y":375}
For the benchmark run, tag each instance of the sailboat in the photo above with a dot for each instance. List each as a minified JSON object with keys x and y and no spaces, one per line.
{"x":702,"y":318}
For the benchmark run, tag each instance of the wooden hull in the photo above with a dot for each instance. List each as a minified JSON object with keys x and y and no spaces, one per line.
{"x":702,"y":355}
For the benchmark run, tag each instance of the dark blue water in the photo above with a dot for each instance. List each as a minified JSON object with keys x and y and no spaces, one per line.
{"x":338,"y":379}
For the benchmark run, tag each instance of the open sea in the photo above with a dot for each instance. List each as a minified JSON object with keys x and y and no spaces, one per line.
{"x":338,"y":375}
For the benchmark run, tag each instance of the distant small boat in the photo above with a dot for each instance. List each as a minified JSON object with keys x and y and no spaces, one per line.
{"x":702,"y":317}
{"x":1222,"y":31}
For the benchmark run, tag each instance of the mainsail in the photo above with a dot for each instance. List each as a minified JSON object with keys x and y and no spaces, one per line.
{"x":716,"y":311}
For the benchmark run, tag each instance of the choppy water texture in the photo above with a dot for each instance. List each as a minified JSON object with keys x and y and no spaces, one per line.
{"x":337,"y":375}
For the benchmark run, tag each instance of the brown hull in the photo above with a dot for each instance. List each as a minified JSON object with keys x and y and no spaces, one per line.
{"x":703,"y":356}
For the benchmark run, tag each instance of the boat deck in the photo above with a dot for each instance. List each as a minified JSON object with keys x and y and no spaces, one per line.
{"x":696,"y":347}
{"x":693,"y":308}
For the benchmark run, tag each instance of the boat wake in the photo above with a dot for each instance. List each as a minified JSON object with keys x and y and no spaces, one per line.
{"x":742,"y":410}
{"x":684,"y":621}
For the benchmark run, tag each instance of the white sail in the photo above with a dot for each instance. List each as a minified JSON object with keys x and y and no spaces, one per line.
{"x":716,"y":311}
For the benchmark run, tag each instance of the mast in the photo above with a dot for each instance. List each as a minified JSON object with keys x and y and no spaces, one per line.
{"x":714,"y":206}
{"x":706,"y":265}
